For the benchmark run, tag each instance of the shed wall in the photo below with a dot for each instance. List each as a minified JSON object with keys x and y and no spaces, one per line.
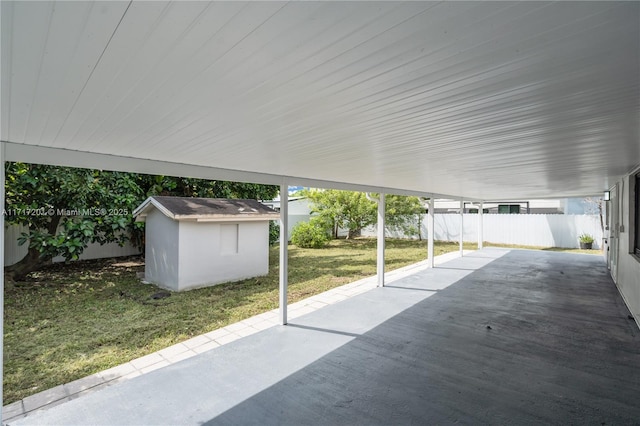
{"x":209,"y":256}
{"x":161,"y":254}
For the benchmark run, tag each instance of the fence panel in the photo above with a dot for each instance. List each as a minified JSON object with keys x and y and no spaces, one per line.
{"x":13,"y":252}
{"x":542,"y":230}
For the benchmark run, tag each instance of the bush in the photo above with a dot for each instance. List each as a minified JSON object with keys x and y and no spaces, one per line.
{"x":274,"y":232}
{"x":312,"y":234}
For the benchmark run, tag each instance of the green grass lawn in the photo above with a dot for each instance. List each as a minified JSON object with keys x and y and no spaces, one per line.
{"x":70,"y":321}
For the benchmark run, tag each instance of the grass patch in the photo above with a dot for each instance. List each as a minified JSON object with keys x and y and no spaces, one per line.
{"x":70,"y":321}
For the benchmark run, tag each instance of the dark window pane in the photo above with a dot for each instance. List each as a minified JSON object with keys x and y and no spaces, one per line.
{"x":637,"y":215}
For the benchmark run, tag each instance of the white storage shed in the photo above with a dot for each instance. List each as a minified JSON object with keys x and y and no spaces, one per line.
{"x":198,"y":242}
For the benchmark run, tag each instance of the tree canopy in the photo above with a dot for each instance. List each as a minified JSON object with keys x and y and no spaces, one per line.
{"x":404,"y":214}
{"x":342,"y":209}
{"x":354,"y":211}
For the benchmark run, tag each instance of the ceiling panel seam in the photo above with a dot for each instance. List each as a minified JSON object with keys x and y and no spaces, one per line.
{"x":95,"y":66}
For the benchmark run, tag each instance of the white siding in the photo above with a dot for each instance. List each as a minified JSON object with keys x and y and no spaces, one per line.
{"x":294,"y":219}
{"x":299,"y":210}
{"x":301,"y":206}
{"x":204,"y":262}
{"x":161,"y":254}
{"x":229,"y":239}
{"x":628,"y":280}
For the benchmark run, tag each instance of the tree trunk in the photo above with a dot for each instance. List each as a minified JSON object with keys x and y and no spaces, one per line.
{"x":31,"y":262}
{"x":601,"y":218}
{"x":353,"y":233}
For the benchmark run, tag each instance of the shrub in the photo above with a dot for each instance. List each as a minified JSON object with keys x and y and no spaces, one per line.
{"x":312,"y":234}
{"x":274,"y":232}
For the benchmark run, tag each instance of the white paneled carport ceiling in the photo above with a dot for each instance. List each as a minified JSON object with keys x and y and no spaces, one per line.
{"x":483,"y":100}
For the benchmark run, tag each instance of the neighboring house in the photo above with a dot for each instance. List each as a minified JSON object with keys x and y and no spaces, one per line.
{"x":300,"y":207}
{"x":554,"y":206}
{"x":299,"y":210}
{"x":198,"y":242}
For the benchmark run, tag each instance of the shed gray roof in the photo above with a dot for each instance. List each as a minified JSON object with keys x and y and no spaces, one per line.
{"x":206,"y":209}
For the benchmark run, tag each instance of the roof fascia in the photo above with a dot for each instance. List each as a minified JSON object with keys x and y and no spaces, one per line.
{"x":140,"y":213}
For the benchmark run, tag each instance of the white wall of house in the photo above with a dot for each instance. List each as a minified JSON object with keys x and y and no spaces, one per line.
{"x":161,"y":250}
{"x":13,"y":252}
{"x":295,"y":219}
{"x":299,"y":206}
{"x":299,"y":211}
{"x":627,"y":275}
{"x":213,"y":253}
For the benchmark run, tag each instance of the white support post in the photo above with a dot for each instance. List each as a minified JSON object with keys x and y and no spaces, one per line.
{"x":430,"y":230}
{"x":480,"y":226}
{"x":381,"y":226}
{"x":284,"y":252}
{"x":461,"y":228}
{"x":2,"y":157}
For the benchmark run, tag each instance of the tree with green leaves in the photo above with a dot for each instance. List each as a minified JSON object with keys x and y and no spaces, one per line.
{"x":342,"y":209}
{"x":404,"y":214}
{"x":194,"y":187}
{"x":64,"y":209}
{"x":354,"y":211}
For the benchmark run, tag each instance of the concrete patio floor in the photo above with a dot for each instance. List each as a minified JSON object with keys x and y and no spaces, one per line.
{"x":499,"y":336}
{"x":61,"y":394}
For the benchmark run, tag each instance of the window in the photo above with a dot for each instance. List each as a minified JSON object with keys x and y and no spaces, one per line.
{"x":509,"y":208}
{"x":636,"y":214}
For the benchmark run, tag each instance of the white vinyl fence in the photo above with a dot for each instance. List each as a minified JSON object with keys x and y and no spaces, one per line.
{"x":542,"y":230}
{"x":13,"y":252}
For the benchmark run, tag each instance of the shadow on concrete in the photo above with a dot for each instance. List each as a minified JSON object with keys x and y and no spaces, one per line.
{"x":412,"y":288}
{"x":457,"y":269}
{"x":515,"y":343}
{"x":322,"y":330}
